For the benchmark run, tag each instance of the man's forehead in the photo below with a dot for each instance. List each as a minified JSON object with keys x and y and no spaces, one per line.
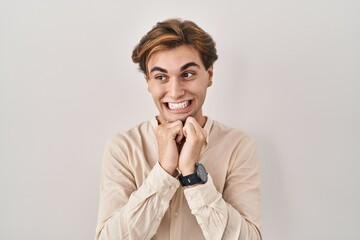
{"x":176,"y":59}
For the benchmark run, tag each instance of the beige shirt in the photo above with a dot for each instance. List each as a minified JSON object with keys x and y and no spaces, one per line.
{"x":140,"y":200}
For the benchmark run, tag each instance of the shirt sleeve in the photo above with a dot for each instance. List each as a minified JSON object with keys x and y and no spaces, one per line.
{"x":128,"y":212}
{"x":234,"y":214}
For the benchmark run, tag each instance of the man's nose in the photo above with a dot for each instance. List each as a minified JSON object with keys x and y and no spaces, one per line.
{"x":176,"y":88}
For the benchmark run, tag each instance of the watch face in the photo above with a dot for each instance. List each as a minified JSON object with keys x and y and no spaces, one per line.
{"x":202,"y":173}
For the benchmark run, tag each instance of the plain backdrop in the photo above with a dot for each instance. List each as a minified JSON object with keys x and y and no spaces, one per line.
{"x":288,"y":74}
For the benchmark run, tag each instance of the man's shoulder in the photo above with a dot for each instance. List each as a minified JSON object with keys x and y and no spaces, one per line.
{"x":222,"y":130}
{"x":135,"y":133}
{"x":226,"y":129}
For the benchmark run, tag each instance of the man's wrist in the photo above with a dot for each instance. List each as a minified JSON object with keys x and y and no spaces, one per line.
{"x":188,"y":170}
{"x":173,"y":172}
{"x":198,"y":175}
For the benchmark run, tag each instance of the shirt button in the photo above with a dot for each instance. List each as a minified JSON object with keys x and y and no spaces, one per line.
{"x":176,"y":214}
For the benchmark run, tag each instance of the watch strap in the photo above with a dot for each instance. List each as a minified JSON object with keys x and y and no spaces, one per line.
{"x":189,"y":179}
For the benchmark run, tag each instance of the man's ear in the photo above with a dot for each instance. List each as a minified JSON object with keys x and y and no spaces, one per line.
{"x":210,"y":71}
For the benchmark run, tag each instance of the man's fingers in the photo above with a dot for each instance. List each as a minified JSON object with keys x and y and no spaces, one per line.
{"x":171,"y":131}
{"x":194,"y":125}
{"x":188,"y":129}
{"x":179,"y":136}
{"x":176,"y":128}
{"x":174,"y":124}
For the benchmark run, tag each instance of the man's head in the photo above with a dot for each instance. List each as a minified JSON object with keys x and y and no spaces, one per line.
{"x":173,"y":33}
{"x":177,"y":59}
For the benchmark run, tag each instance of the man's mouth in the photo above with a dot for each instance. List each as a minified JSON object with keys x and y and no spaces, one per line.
{"x":179,"y":105}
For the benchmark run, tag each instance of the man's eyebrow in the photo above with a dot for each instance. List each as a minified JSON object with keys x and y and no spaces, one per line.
{"x":187,"y":65}
{"x":158,"y":69}
{"x":190,"y":64}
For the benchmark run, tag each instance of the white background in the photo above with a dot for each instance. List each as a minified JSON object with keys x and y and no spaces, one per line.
{"x":288,"y":74}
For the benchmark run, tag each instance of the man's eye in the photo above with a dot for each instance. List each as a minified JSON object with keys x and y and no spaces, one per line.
{"x":187,"y":75}
{"x":160,"y":77}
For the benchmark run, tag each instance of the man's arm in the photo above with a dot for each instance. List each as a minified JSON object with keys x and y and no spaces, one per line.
{"x":125,"y":211}
{"x":235,"y":214}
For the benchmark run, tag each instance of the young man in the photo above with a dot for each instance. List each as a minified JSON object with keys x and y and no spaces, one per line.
{"x":180,"y":175}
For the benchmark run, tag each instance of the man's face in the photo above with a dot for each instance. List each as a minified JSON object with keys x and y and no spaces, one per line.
{"x":177,"y":81}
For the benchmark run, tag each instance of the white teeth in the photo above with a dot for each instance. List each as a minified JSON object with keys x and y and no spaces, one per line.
{"x":176,"y":106}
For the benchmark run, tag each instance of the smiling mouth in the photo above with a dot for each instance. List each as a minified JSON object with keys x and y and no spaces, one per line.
{"x":179,"y":105}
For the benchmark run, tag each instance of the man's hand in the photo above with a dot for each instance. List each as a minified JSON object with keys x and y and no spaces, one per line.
{"x":190,"y":153}
{"x":168,"y":137}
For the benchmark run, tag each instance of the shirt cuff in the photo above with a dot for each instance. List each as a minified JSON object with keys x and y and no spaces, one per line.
{"x":202,"y":195}
{"x":159,"y":179}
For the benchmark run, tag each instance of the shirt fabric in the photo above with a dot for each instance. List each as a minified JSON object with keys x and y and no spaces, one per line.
{"x":140,"y":200}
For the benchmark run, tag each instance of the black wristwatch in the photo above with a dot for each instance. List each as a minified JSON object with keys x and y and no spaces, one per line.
{"x":199,"y":176}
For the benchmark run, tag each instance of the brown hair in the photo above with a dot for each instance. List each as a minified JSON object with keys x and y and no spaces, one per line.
{"x":173,"y":33}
